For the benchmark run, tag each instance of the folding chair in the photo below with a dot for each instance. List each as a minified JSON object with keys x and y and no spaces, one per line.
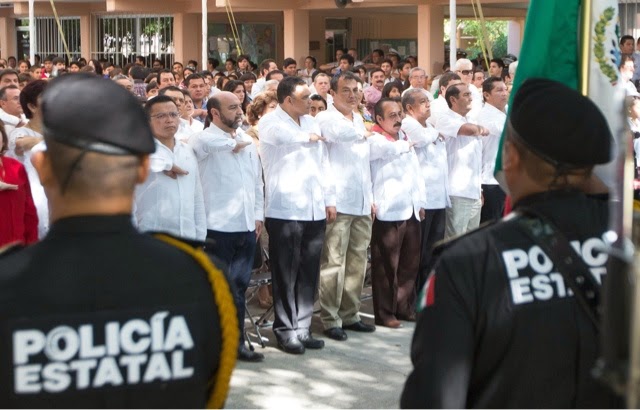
{"x":260,"y":276}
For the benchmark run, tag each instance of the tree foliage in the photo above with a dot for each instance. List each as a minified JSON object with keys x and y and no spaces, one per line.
{"x":496,"y":31}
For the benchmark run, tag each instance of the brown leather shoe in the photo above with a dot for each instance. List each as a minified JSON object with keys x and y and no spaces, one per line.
{"x":391,"y":323}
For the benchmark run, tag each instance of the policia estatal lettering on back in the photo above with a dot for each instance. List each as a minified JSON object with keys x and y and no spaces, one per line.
{"x":532,"y":276}
{"x":98,"y":314}
{"x":139,"y":350}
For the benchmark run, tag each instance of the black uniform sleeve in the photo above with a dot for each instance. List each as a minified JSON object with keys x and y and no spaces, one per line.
{"x":443,"y":343}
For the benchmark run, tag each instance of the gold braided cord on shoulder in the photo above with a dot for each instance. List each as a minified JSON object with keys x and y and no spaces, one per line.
{"x":228,"y":320}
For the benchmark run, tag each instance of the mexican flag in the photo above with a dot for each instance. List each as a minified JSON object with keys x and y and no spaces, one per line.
{"x":552,"y":48}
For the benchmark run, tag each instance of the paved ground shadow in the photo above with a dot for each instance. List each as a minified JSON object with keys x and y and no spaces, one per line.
{"x":366,"y":371}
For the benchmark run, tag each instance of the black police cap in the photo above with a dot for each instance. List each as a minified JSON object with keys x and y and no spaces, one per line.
{"x":560,"y":125}
{"x":94,"y":114}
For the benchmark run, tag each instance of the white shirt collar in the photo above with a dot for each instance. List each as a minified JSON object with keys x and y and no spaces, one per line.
{"x":456,"y":115}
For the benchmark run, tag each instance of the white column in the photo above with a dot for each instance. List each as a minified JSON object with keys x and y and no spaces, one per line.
{"x":514,"y":36}
{"x":296,"y":34}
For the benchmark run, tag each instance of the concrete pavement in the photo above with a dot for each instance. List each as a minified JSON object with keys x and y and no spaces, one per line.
{"x":366,"y":371}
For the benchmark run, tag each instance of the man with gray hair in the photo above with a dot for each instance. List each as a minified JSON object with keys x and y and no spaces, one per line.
{"x":11,"y":114}
{"x":464,"y":68}
{"x":124,"y":81}
{"x":432,"y":156}
{"x":418,"y":79}
{"x":512,"y":70}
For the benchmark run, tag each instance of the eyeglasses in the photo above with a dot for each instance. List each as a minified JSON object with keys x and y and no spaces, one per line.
{"x":165,"y":115}
{"x":465,"y":72}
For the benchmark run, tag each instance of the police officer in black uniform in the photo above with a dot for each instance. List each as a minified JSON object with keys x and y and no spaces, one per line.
{"x":500,"y":325}
{"x":98,"y":314}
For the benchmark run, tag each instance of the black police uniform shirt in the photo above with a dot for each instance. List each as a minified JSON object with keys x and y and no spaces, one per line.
{"x":499,"y":329}
{"x":99,"y":315}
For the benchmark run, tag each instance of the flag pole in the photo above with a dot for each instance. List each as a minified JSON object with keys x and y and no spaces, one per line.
{"x":586,"y":46}
{"x":619,"y":365}
{"x":453,"y":34}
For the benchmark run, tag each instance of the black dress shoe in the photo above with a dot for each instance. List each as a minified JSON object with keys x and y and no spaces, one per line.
{"x":247,"y":355}
{"x":336,"y":333}
{"x":291,"y":345}
{"x":310,"y":342}
{"x":360,"y":327}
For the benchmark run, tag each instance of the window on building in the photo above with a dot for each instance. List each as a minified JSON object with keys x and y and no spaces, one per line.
{"x":121,"y":38}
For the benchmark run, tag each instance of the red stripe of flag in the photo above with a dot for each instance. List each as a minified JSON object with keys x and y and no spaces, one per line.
{"x":430,"y":293}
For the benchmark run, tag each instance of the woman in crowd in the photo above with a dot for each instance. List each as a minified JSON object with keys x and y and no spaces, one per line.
{"x":23,"y":66}
{"x":392,"y":90}
{"x":306,"y":73}
{"x":28,"y":139}
{"x":97,"y":66}
{"x":237,"y":87}
{"x":262,"y":104}
{"x":221,"y":82}
{"x":362,"y":108}
{"x":187,"y":112}
{"x":186,"y":73}
{"x":248,"y":79}
{"x":18,"y":218}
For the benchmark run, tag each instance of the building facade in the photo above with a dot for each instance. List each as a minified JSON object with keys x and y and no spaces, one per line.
{"x":173,"y":31}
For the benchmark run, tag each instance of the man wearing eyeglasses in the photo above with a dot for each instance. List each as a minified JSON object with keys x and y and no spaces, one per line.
{"x":464,"y":68}
{"x":418,"y":79}
{"x":170,"y":200}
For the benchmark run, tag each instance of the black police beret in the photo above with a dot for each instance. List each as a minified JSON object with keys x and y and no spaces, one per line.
{"x":94,"y":114}
{"x":560,"y":125}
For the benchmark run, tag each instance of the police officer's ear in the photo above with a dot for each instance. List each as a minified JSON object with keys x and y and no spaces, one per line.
{"x":143,"y":169}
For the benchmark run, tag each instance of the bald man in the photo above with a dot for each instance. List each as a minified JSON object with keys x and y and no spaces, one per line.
{"x":233,"y":196}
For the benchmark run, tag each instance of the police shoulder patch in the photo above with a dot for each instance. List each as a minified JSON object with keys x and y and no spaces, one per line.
{"x":11,"y":248}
